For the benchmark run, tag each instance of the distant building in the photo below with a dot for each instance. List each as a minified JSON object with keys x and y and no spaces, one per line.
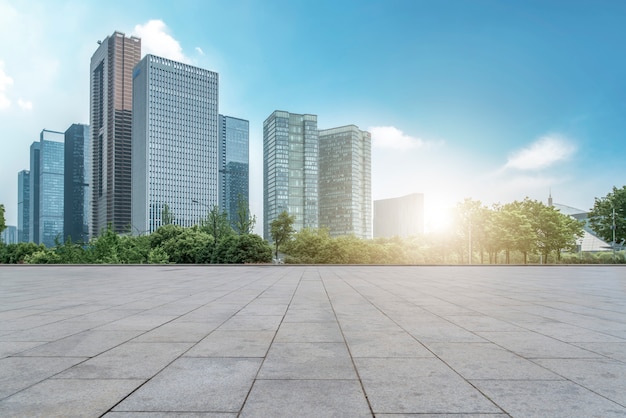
{"x":175,"y":143}
{"x":51,"y":187}
{"x":589,"y":242}
{"x":234,"y":164}
{"x":23,"y":206}
{"x":77,"y":178}
{"x":33,"y":188}
{"x":110,"y":120}
{"x":345,"y":185}
{"x":400,"y":216}
{"x":290,"y":169}
{"x":9,"y":235}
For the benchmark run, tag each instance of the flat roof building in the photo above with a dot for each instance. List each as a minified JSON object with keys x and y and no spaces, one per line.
{"x":400,"y":216}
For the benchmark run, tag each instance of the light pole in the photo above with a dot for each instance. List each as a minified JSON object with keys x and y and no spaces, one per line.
{"x":613,"y":228}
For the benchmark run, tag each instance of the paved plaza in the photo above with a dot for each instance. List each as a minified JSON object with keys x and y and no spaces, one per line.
{"x":312,"y":341}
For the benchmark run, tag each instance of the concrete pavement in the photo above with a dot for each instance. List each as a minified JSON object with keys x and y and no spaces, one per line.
{"x":318,"y":341}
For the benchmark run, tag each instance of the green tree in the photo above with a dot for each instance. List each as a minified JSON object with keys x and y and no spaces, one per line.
{"x":242,"y":249}
{"x":601,"y":215}
{"x":244,"y":223}
{"x":217,"y":225}
{"x":167,"y":216}
{"x":3,"y":223}
{"x":281,"y":229}
{"x":187,"y":247}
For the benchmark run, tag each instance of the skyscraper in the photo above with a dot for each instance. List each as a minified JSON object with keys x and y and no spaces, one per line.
{"x":345,"y":184}
{"x":290,"y":158}
{"x":175,"y":143}
{"x":23,"y":206}
{"x":110,"y":121}
{"x":33,"y":188}
{"x":234,"y":164}
{"x":77,"y":179}
{"x":51,"y":163}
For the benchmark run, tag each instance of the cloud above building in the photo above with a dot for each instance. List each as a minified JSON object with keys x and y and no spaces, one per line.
{"x":156,"y":40}
{"x":390,"y":137}
{"x":543,"y":153}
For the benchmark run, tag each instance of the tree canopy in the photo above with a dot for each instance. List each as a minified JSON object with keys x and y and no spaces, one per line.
{"x":281,"y":229}
{"x":606,"y":212}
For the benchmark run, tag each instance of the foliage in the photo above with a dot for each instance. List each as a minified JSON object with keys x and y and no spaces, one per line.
{"x":217,"y":225}
{"x":17,"y":253}
{"x":601,"y":215}
{"x":167,"y":216}
{"x":246,"y":248}
{"x":281,"y":229}
{"x":244,"y":223}
{"x":3,"y":224}
{"x":187,"y":247}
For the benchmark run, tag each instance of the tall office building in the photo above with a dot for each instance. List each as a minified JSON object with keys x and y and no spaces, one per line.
{"x":400,"y":216}
{"x":345,"y":183}
{"x":77,"y":183}
{"x":23,"y":205}
{"x":110,"y":121}
{"x":175,"y":143}
{"x":9,"y":235}
{"x":33,"y":188}
{"x":51,"y":163}
{"x":290,"y":171}
{"x":234,"y":164}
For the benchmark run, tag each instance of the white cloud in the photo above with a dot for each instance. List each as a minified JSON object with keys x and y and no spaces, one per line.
{"x":25,"y":104}
{"x":199,"y":50}
{"x":156,"y":40}
{"x":393,"y":138}
{"x":5,"y":81}
{"x":543,"y":153}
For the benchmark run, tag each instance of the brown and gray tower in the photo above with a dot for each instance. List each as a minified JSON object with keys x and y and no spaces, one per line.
{"x":111,"y":101}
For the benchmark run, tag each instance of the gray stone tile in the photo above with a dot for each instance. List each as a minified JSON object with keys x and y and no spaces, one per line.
{"x":384,"y":344}
{"x":530,"y":344}
{"x":481,"y":323}
{"x":17,"y":373}
{"x":488,"y":361}
{"x":252,"y":323}
{"x":555,"y":399}
{"x":430,"y":332}
{"x":400,"y":386}
{"x":306,"y":398}
{"x":179,"y":332}
{"x":196,"y":385}
{"x":309,"y":315}
{"x":441,"y":416}
{"x":50,"y":332}
{"x":128,"y":361}
{"x":307,"y":361}
{"x":67,"y":398}
{"x":137,"y":322}
{"x":85,"y":344}
{"x":9,"y":348}
{"x":233,"y":344}
{"x":170,"y":415}
{"x":605,"y":377}
{"x":324,"y":332}
{"x":616,"y":351}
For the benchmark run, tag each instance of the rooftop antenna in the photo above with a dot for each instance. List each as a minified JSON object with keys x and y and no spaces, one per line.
{"x":550,"y":198}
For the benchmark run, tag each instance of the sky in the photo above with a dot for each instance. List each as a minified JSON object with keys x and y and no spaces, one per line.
{"x":494,"y":100}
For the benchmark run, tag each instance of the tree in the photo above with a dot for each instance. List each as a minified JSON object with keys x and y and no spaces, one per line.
{"x":601,"y":215}
{"x":3,"y":224}
{"x":167,"y":216}
{"x":244,"y":223}
{"x":216,"y":225}
{"x":281,"y":229}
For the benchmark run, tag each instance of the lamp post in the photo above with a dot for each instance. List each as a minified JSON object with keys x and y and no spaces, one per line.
{"x":613,"y":228}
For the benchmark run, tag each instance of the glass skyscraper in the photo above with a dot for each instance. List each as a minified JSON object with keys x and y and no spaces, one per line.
{"x":51,"y":188}
{"x":234,"y":164}
{"x":33,"y":209}
{"x":23,"y":206}
{"x":290,"y":169}
{"x":110,"y":121}
{"x":345,"y":184}
{"x":77,"y":183}
{"x":175,"y":143}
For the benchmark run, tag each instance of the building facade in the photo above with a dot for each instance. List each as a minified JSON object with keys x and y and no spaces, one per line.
{"x":345,"y":183}
{"x":175,"y":143}
{"x":110,"y":121}
{"x":234,"y":164}
{"x":51,"y":187}
{"x":399,"y":217}
{"x":23,"y":206}
{"x":33,"y":189}
{"x":9,"y":235}
{"x":290,"y":169}
{"x":77,"y":180}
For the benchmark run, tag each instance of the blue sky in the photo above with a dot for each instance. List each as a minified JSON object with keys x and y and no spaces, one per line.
{"x":490,"y":99}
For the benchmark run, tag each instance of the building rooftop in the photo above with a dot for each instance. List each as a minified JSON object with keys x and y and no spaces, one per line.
{"x":327,"y":341}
